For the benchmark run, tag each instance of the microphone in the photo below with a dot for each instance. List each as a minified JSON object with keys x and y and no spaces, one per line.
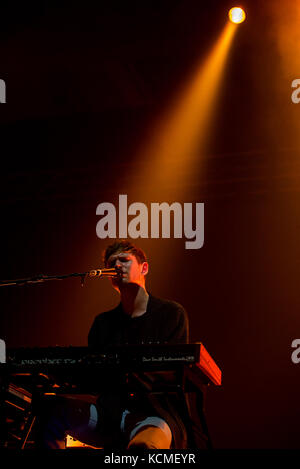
{"x":103,"y":273}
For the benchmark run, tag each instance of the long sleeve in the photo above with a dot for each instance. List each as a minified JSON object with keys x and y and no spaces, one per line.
{"x":180,"y":331}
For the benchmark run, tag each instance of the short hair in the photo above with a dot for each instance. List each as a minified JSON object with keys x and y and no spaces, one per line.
{"x":124,"y":246}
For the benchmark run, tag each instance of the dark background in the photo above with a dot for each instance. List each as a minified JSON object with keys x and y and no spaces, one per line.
{"x":84,"y":83}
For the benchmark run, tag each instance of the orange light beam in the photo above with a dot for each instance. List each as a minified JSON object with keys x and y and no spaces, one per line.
{"x":180,"y":135}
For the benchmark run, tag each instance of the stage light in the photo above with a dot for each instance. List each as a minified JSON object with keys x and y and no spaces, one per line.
{"x":237,"y":15}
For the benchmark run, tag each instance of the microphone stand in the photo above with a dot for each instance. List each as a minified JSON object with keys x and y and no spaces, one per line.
{"x":42,"y":278}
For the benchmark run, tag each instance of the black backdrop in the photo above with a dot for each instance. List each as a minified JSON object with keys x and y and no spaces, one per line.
{"x":84,"y":81}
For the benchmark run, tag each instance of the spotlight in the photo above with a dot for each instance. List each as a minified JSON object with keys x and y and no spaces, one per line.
{"x":237,"y":15}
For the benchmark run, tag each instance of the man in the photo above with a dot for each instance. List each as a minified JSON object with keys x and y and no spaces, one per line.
{"x":142,"y":421}
{"x":139,"y":318}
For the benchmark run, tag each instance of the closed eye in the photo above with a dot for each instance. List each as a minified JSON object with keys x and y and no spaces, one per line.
{"x":112,"y":263}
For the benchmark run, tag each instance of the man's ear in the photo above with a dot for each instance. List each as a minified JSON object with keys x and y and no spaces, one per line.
{"x":145,"y":268}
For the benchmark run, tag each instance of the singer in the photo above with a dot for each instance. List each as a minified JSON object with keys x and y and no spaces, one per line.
{"x":138,"y":422}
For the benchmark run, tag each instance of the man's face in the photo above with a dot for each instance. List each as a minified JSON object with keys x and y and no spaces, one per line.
{"x":129,"y":269}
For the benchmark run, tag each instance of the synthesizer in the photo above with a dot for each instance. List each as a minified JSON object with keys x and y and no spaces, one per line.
{"x":83,"y":362}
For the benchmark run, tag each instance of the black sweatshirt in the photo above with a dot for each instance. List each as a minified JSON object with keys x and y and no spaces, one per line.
{"x":164,"y":321}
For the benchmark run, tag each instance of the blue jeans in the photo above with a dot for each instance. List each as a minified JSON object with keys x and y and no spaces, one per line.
{"x":84,"y":421}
